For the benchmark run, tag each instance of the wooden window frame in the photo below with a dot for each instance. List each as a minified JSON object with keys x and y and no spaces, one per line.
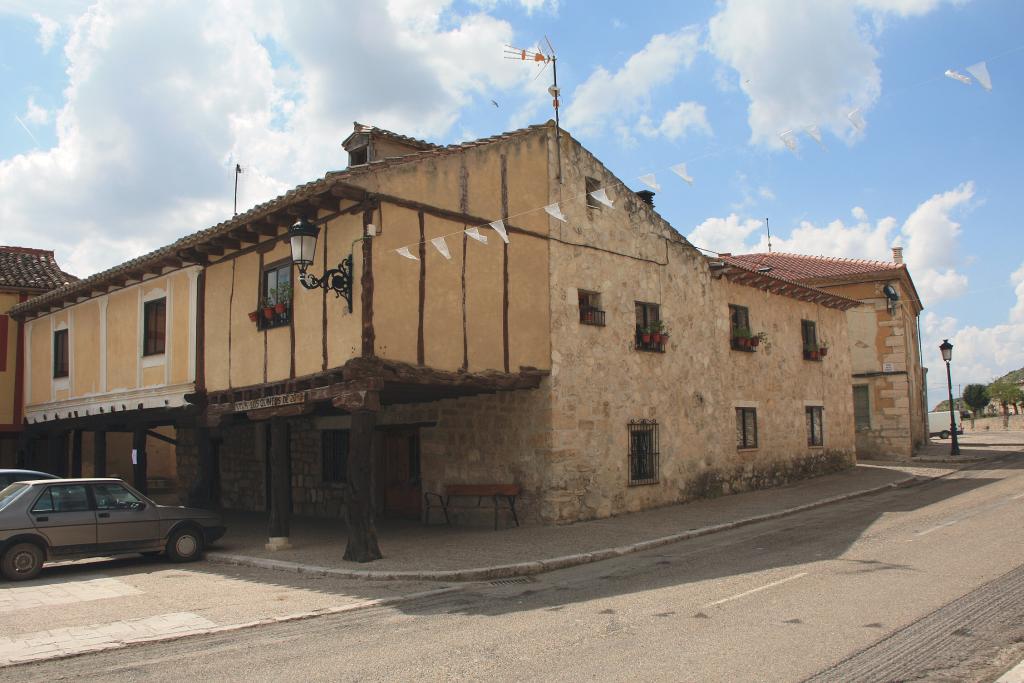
{"x":647,"y":313}
{"x":860,"y":426}
{"x":154,"y":340}
{"x":744,"y":441}
{"x":739,"y":318}
{"x":591,"y":312}
{"x":61,"y":353}
{"x":284,"y":318}
{"x":809,"y":340}
{"x":815,"y":437}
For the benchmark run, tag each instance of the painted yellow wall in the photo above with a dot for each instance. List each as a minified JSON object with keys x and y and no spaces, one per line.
{"x":85,"y":323}
{"x":179,"y":350}
{"x":122,"y":340}
{"x":8,"y":299}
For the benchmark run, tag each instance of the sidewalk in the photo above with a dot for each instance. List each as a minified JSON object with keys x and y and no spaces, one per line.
{"x":413,"y":551}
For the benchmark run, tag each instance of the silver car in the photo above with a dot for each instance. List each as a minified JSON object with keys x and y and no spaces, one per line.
{"x":55,"y":519}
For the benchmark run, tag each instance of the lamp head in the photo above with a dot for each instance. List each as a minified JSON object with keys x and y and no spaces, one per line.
{"x":303,"y":235}
{"x":947,"y":350}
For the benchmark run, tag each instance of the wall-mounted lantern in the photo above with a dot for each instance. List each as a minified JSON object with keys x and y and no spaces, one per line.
{"x":303,"y":235}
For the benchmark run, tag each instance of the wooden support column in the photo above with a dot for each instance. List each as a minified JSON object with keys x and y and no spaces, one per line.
{"x":362,"y":532}
{"x":140,"y":467}
{"x":280,"y":486}
{"x":201,"y":494}
{"x":56,"y":454}
{"x":76,"y":453}
{"x":99,"y":453}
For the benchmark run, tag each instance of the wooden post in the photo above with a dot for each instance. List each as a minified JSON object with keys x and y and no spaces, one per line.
{"x":280,"y":486}
{"x":99,"y":453}
{"x":362,"y":532}
{"x":56,"y":454}
{"x":200,"y":495}
{"x":139,"y":469}
{"x":76,"y":453}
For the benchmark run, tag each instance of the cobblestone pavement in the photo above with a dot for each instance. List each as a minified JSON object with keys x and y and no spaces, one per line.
{"x":80,"y":607}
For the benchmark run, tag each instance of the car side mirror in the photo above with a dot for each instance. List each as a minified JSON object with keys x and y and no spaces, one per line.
{"x":139,"y":505}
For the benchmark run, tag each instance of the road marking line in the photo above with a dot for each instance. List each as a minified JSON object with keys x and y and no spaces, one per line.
{"x":756,"y":590}
{"x":1014,"y":675}
{"x":1018,"y":496}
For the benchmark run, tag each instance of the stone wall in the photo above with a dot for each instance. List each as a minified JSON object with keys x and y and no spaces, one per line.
{"x":1012,"y":423}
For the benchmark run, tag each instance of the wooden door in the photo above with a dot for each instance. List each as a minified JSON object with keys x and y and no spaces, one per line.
{"x":401,"y":474}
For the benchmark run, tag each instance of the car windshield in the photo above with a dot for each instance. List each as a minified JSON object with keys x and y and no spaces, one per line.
{"x":8,"y":495}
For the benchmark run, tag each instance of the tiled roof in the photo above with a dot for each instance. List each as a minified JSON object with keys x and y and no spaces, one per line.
{"x":258,"y":212}
{"x":752,"y":275}
{"x":801,"y":267}
{"x":24,"y":268}
{"x":362,"y":128}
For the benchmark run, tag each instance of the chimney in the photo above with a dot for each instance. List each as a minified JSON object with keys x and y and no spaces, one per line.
{"x":646,"y":196}
{"x":897,"y":254}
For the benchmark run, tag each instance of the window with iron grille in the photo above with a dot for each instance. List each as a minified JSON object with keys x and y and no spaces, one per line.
{"x":154,"y":329}
{"x":739,"y":328}
{"x":861,"y":408}
{"x":643,"y":452}
{"x":60,"y":353}
{"x":276,"y":295}
{"x":593,"y":185}
{"x":815,"y":437}
{"x":746,"y":428}
{"x":648,"y":317}
{"x":809,"y":334}
{"x":590,"y":308}
{"x":334,"y":454}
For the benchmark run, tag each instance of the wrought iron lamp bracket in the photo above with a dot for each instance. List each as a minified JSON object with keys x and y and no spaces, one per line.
{"x":337,"y":280}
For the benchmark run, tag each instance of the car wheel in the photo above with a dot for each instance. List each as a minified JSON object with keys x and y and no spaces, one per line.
{"x":185,"y":545}
{"x":944,"y":434}
{"x":22,"y":561}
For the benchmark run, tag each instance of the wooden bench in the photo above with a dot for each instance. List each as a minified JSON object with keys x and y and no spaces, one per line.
{"x":493,"y":492}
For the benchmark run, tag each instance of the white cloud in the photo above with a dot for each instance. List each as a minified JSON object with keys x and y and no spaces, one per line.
{"x":609,"y":100}
{"x":723,"y":235}
{"x":35,"y":114}
{"x":931,"y":236}
{"x":859,"y":213}
{"x":48,"y":29}
{"x":1017,"y":312}
{"x":163,"y":99}
{"x":804,"y":62}
{"x":686,"y":117}
{"x":766,"y":193}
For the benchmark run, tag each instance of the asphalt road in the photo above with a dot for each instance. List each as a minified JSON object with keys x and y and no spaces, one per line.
{"x":918,"y":583}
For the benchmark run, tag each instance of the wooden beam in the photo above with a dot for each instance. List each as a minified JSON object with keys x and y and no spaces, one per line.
{"x":209,"y":249}
{"x":245,"y":236}
{"x":325,"y":202}
{"x":227,"y":242}
{"x":161,"y":437}
{"x":349,"y":192}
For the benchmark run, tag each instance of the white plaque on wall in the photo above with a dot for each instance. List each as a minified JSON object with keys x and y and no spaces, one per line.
{"x":887,"y":367}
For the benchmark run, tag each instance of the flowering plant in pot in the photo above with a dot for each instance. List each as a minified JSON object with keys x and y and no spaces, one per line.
{"x":645,"y":334}
{"x":657,"y":330}
{"x":823,"y":349}
{"x":282,"y":295}
{"x":811,"y":352}
{"x":741,"y":337}
{"x":268,"y":309}
{"x":254,"y":315}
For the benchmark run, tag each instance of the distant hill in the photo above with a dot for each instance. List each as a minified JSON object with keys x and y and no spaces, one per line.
{"x":1013,"y":377}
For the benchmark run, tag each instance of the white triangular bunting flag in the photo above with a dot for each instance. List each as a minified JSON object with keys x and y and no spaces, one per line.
{"x":650,"y":181}
{"x":475,"y":234}
{"x":957,"y":76}
{"x":499,"y":227}
{"x":815,"y":134}
{"x":602,"y":196}
{"x":555,"y":212}
{"x":789,"y":140}
{"x":404,"y":251}
{"x":980,"y":72}
{"x":680,"y":170}
{"x":856,"y":118}
{"x":441,"y":246}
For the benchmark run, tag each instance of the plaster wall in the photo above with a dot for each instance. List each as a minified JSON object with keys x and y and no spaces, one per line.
{"x":8,"y":346}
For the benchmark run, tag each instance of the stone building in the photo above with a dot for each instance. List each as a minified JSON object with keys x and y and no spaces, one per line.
{"x":889,"y":381}
{"x":542,"y":359}
{"x":24,"y":273}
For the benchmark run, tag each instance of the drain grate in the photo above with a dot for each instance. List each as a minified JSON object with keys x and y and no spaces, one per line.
{"x":512,"y":580}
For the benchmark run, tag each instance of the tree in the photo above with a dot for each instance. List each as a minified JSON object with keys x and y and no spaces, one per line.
{"x":976,"y":396}
{"x":1006,"y":394}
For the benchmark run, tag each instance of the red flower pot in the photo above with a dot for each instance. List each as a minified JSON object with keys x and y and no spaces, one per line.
{"x":253,"y":315}
{"x":754,"y":341}
{"x":656,"y":337}
{"x":823,"y":352}
{"x":815,"y":355}
{"x":645,"y":338}
{"x":268,"y":312}
{"x":280,"y":308}
{"x":744,"y":342}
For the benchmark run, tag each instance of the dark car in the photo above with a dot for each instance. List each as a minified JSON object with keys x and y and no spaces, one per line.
{"x":52,"y":519}
{"x":8,"y":477}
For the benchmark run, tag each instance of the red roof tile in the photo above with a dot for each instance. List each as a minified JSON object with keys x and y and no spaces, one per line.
{"x":800,"y":267}
{"x":25,"y":268}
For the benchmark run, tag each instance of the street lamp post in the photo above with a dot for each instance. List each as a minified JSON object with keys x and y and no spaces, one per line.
{"x":947,"y":355}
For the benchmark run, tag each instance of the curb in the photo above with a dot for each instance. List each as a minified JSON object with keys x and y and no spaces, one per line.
{"x":551,"y":564}
{"x":228,"y":628}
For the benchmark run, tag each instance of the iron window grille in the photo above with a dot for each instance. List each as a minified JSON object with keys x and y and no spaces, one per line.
{"x":815,"y":436}
{"x":739,"y":329}
{"x":154,"y":315}
{"x":648,"y":316}
{"x":644,"y":452}
{"x":60,"y":353}
{"x":809,"y":335}
{"x":590,"y":308}
{"x":746,"y":428}
{"x":276,"y":296}
{"x":334,"y":455}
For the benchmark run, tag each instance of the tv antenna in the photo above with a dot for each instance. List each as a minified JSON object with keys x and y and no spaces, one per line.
{"x":542,"y":59}
{"x":768,"y":228}
{"x":238,"y":171}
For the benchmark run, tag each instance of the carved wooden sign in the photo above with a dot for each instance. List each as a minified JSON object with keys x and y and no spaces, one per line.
{"x":270,"y":402}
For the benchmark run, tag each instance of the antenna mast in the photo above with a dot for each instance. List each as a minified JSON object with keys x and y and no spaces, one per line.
{"x":538,"y":57}
{"x":768,"y":228}
{"x":238,"y":171}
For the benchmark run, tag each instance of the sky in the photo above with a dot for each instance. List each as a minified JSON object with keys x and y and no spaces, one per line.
{"x":121,"y":123}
